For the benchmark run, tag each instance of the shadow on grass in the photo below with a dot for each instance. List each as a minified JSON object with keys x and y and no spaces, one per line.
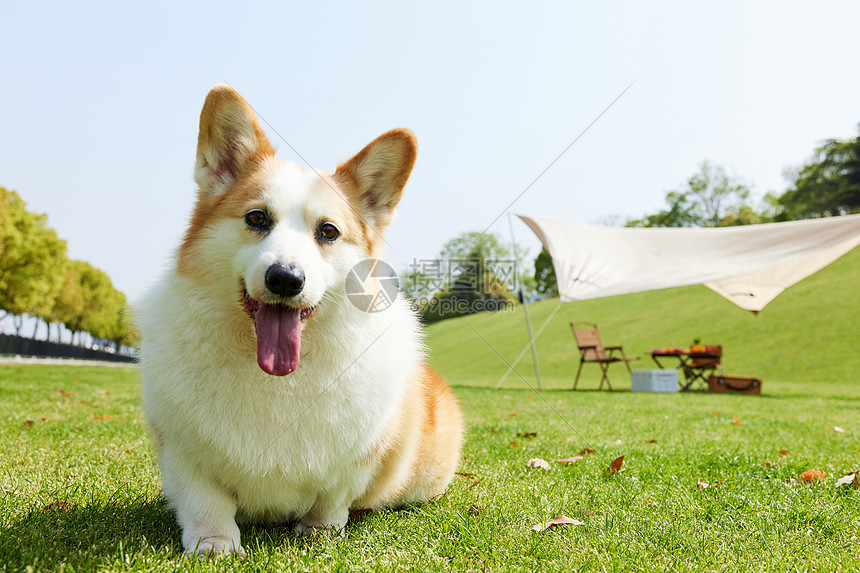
{"x":85,"y":536}
{"x":96,"y":535}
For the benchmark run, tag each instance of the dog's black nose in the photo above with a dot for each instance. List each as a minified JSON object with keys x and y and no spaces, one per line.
{"x":285,"y":281}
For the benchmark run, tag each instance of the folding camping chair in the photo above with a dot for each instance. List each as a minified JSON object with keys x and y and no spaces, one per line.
{"x":591,"y":349}
{"x":700,"y":365}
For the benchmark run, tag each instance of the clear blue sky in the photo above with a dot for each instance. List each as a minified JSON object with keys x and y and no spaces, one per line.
{"x":100,"y":102}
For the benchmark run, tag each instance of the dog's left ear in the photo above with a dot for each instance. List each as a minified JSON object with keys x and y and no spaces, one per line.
{"x":374,"y":179}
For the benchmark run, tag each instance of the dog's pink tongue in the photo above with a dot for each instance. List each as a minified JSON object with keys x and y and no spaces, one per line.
{"x":279,"y":338}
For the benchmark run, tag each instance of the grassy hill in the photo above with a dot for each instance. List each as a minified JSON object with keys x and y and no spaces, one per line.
{"x":805,"y":338}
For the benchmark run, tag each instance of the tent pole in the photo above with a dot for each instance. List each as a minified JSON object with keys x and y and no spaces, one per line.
{"x":521,"y":285}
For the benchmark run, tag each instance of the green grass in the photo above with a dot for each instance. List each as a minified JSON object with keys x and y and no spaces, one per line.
{"x":653,"y":516}
{"x":87,"y":447}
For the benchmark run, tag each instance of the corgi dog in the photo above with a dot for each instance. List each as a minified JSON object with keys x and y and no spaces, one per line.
{"x":272,"y":397}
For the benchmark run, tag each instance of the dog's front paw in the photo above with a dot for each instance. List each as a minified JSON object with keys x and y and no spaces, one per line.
{"x":215,"y":546}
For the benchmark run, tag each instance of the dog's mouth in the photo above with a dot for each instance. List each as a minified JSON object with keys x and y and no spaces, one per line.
{"x":279,"y":334}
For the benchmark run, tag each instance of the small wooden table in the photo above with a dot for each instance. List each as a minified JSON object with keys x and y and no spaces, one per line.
{"x":694,"y":365}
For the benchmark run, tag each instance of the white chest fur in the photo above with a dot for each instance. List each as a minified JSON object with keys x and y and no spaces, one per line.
{"x":273,"y":443}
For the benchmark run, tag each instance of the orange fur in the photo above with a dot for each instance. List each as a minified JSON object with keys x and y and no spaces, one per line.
{"x":421,"y":448}
{"x":243,"y":194}
{"x":374,"y":178}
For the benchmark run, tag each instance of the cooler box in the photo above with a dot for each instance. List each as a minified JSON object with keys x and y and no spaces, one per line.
{"x":655,"y":381}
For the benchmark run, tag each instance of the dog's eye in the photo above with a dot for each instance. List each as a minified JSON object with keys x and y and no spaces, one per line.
{"x":256,"y":219}
{"x":328,"y":232}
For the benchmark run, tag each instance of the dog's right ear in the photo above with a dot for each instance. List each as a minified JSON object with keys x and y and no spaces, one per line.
{"x":230,"y":140}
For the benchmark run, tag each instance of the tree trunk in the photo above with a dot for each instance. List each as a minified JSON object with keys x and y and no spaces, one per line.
{"x":35,"y":328}
{"x":18,"y":322}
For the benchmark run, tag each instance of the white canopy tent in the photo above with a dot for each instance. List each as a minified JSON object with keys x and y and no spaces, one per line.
{"x":749,"y":265}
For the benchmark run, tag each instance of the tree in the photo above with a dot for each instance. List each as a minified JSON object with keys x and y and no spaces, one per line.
{"x":827,"y":185}
{"x":117,"y":319}
{"x":69,"y":304}
{"x":127,"y":333}
{"x":745,"y":215}
{"x":544,"y":277}
{"x":88,"y":302}
{"x":33,"y":262}
{"x":4,"y":223}
{"x":710,"y":198}
{"x":482,"y":247}
{"x":102,"y":303}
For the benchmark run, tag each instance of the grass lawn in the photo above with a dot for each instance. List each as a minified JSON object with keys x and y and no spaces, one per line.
{"x":80,"y":485}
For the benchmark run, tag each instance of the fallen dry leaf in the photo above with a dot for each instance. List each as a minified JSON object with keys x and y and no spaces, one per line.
{"x":716,"y":413}
{"x":766,"y":464}
{"x":495,"y":431}
{"x":28,"y":422}
{"x":852,"y":478}
{"x":569,"y":460}
{"x":474,"y":483}
{"x":736,"y":421}
{"x":560,"y":520}
{"x":104,"y":417}
{"x":514,"y":445}
{"x":64,"y":505}
{"x":586,"y":451}
{"x":783,"y":452}
{"x":812,"y":475}
{"x":64,"y":393}
{"x":526,"y":434}
{"x":539,"y":463}
{"x":474,"y":509}
{"x":615,"y":466}
{"x":465,"y":474}
{"x":650,"y":441}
